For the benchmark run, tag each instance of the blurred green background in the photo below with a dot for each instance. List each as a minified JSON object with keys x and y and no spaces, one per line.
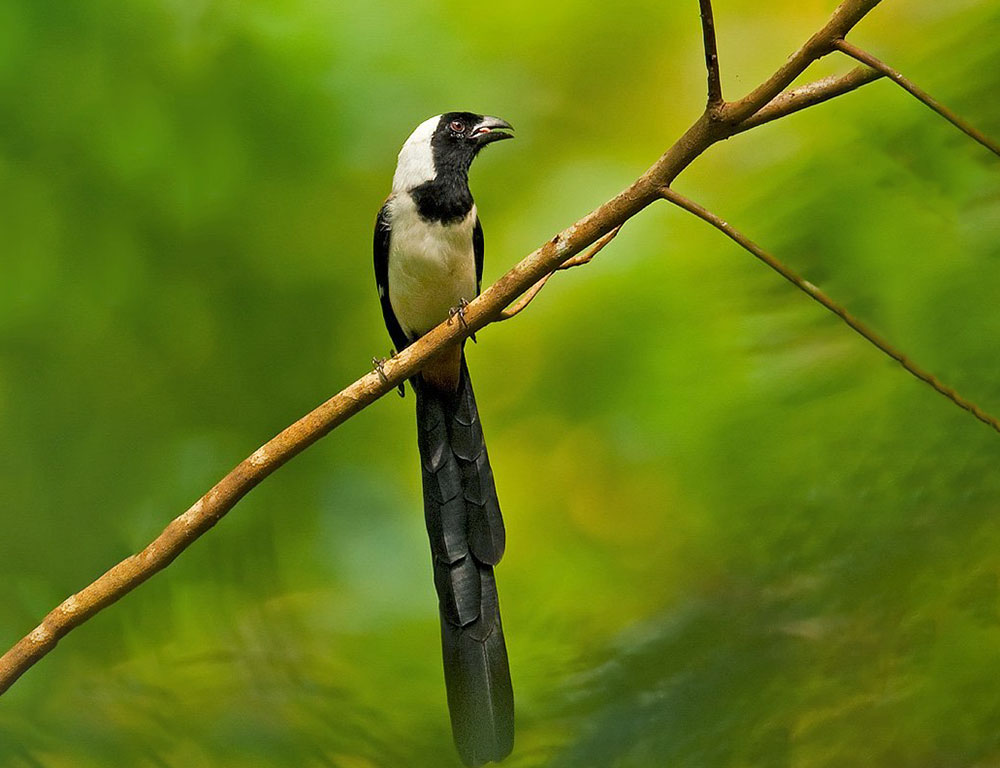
{"x":737,"y":535}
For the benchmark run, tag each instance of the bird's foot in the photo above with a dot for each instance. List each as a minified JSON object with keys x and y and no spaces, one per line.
{"x":377,"y":366}
{"x":401,"y":391}
{"x":459,"y":312}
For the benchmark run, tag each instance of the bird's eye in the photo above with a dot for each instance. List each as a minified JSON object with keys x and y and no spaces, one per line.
{"x":457,"y":126}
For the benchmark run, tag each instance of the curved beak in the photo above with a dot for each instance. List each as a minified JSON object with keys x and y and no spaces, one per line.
{"x":492,"y":129}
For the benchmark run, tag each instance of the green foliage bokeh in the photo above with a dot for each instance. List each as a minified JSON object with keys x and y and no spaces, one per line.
{"x":737,"y":535}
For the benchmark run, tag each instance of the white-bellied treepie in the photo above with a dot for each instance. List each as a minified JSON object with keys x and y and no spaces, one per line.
{"x":428,"y":265}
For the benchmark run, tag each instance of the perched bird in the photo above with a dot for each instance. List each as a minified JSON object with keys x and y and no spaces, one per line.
{"x":428,"y":266}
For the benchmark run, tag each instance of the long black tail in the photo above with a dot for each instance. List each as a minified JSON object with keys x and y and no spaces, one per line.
{"x":467,"y":539}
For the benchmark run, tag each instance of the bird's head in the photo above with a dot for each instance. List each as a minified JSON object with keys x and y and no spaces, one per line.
{"x":446,"y":145}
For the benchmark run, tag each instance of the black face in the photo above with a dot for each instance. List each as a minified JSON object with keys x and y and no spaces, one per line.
{"x":461,"y":135}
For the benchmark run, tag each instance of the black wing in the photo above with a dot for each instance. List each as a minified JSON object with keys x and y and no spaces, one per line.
{"x":383,"y":231}
{"x":478,"y":247}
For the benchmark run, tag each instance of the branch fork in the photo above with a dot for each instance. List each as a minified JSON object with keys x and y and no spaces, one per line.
{"x":575,"y":261}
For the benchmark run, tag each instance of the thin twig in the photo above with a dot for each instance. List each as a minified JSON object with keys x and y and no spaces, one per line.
{"x":207,"y":511}
{"x":816,"y":92}
{"x":816,"y":294}
{"x":866,"y":58}
{"x":579,"y":260}
{"x":711,"y":55}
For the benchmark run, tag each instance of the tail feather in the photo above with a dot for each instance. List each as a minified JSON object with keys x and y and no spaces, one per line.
{"x":467,"y":539}
{"x":487,"y":537}
{"x":459,"y":589}
{"x":477,"y":677}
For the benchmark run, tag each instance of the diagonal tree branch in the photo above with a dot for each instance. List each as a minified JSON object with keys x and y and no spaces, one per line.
{"x":866,"y":58}
{"x":817,"y":295}
{"x":795,"y":99}
{"x":711,"y":56}
{"x":488,"y":307}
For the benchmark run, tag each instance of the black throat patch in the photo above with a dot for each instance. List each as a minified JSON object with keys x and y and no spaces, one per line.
{"x":446,"y":198}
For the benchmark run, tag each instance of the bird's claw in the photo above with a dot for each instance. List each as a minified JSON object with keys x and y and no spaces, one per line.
{"x":459,"y":312}
{"x":401,"y":391}
{"x":377,"y":365}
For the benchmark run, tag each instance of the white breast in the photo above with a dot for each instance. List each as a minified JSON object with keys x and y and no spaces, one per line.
{"x":432,"y":267}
